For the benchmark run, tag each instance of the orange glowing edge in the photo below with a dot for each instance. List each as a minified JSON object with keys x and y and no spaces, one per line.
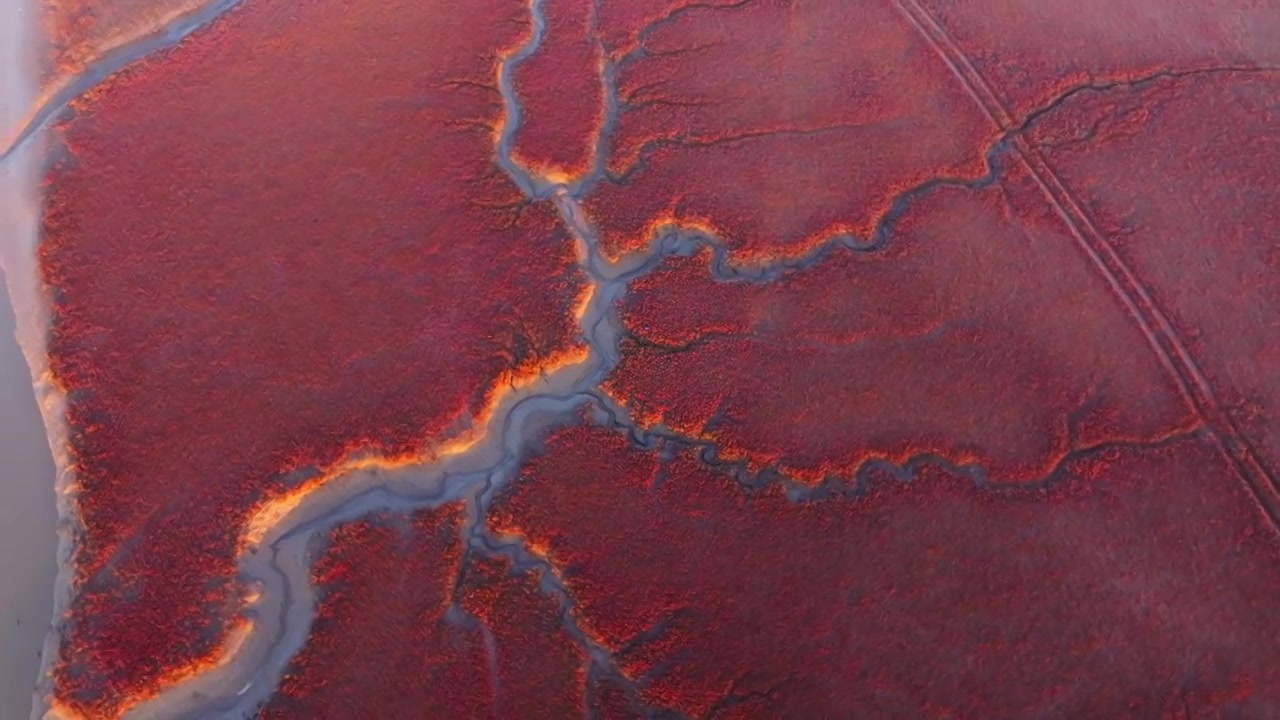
{"x":236,"y":636}
{"x":542,"y":551}
{"x":274,"y":511}
{"x":755,"y":462}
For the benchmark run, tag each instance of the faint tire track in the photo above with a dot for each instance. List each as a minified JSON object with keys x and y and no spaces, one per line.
{"x":1136,"y":297}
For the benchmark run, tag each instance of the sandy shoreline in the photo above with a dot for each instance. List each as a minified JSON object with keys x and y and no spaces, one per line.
{"x":28,"y":538}
{"x":29,"y":547}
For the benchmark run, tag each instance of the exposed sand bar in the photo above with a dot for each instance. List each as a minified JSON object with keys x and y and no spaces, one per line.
{"x":29,"y":549}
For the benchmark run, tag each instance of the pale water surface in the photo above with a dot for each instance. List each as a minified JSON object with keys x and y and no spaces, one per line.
{"x":28,"y":539}
{"x":27,"y":517}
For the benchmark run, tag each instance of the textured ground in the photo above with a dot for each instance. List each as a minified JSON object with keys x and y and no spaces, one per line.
{"x":936,"y":378}
{"x":1087,"y":598}
{"x":82,"y":30}
{"x":312,"y":257}
{"x":724,"y":123}
{"x":968,"y":337}
{"x":397,"y":605}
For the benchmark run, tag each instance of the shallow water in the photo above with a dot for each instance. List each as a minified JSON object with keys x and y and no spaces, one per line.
{"x":28,"y":510}
{"x":27,"y":521}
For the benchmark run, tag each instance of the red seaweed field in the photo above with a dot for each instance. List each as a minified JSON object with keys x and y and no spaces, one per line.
{"x":664,"y":359}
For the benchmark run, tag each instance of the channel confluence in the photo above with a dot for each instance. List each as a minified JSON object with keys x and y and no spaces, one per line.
{"x":275,"y":556}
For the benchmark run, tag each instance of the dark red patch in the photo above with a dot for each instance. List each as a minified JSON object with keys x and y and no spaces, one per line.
{"x":609,"y":701}
{"x":1180,"y":176}
{"x":1031,"y":51}
{"x":380,"y":642}
{"x":285,"y":241}
{"x":540,"y":671}
{"x":980,"y":334}
{"x":280,"y":242}
{"x":621,"y":23}
{"x":385,"y":642}
{"x":560,"y":92}
{"x":1138,"y":584}
{"x":778,"y":124}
